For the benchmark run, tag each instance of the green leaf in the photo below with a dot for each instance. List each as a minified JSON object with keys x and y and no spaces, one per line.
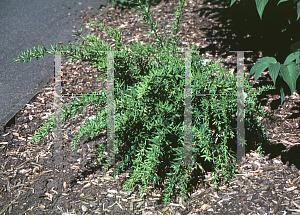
{"x":281,"y":1}
{"x":156,"y":24}
{"x":292,"y":57}
{"x":274,"y":70}
{"x":260,"y":66}
{"x":298,"y":10}
{"x":40,"y":49}
{"x":260,"y":6}
{"x":290,"y":74}
{"x":232,"y":2}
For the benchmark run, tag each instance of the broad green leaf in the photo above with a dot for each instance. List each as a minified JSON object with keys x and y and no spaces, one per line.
{"x":260,"y":66}
{"x":274,"y":70}
{"x":232,"y":2}
{"x":290,"y":74}
{"x":260,"y":6}
{"x":292,"y":57}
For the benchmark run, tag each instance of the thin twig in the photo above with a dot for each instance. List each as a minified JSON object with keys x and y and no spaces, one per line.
{"x":277,"y":206}
{"x":7,"y":206}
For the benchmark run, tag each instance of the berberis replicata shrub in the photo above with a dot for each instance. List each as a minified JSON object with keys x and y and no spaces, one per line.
{"x":149,"y":109}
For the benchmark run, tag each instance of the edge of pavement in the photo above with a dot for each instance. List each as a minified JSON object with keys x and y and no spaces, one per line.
{"x":9,"y":119}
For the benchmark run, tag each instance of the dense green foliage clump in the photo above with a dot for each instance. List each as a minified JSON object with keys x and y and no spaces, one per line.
{"x":149,"y":109}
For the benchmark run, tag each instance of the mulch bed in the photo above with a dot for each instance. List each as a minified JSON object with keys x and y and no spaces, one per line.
{"x":33,"y":183}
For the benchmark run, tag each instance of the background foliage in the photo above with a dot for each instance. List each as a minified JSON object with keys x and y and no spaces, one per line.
{"x":289,"y":71}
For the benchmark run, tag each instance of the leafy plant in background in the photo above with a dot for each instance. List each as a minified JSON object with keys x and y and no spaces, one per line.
{"x":261,"y":4}
{"x":149,"y":113}
{"x":289,"y":71}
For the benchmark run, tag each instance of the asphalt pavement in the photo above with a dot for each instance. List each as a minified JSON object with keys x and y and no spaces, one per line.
{"x":25,"y":24}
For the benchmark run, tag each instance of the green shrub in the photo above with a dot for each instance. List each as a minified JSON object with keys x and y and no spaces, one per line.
{"x":149,"y":110}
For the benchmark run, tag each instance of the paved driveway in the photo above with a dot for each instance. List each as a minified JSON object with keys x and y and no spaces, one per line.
{"x":25,"y":24}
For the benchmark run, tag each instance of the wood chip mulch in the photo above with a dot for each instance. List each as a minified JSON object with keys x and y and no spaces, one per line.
{"x":32,"y":183}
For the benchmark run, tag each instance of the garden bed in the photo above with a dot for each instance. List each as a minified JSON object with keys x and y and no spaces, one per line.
{"x":32,"y":184}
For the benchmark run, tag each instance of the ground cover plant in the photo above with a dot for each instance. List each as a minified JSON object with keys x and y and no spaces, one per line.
{"x":149,"y":109}
{"x":287,"y":72}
